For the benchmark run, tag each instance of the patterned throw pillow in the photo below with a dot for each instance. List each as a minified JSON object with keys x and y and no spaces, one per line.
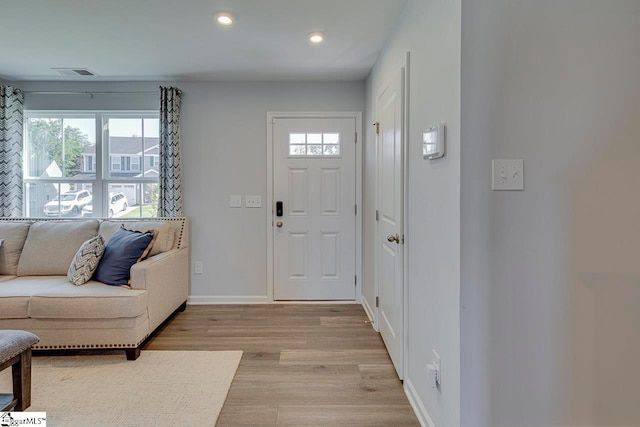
{"x":86,"y":261}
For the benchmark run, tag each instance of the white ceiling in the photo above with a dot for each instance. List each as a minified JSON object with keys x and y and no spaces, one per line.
{"x":179,"y":40}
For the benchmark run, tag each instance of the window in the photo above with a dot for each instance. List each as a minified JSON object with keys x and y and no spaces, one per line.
{"x":61,"y":155}
{"x":152,"y":161}
{"x":125,"y":163}
{"x":314,"y":144}
{"x":90,"y":162}
{"x":115,"y":163}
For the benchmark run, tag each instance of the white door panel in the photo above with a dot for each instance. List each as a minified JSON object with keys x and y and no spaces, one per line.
{"x":389,"y":235}
{"x":314,"y":248}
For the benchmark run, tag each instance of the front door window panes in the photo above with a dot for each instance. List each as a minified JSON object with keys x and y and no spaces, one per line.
{"x":314,"y":144}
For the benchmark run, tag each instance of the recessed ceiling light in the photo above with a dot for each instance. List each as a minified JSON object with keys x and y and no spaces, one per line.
{"x":316,"y":37}
{"x":224,"y":19}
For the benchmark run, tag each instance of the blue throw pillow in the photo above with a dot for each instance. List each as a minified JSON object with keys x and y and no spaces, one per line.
{"x":124,"y":249}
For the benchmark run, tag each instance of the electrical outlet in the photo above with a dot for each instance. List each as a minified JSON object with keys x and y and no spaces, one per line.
{"x":432,"y":376}
{"x":197,"y":267}
{"x":435,"y":361}
{"x":434,"y":371}
{"x":507,"y":174}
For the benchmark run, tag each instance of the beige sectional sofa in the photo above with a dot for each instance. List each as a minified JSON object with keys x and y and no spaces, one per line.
{"x":35,"y":294}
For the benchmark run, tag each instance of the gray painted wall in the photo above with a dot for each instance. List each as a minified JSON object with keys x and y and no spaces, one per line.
{"x":535,"y":295}
{"x":430,"y":31}
{"x":223,"y":136}
{"x":550,"y":278}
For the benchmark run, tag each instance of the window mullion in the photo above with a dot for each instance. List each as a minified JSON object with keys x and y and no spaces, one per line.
{"x":99,"y":194}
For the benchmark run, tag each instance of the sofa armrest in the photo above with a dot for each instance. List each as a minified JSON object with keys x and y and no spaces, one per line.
{"x":165,"y":277}
{"x":142,"y":271}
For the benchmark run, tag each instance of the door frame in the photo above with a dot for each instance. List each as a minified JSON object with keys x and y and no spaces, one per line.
{"x":270,"y":203}
{"x":404,"y":70}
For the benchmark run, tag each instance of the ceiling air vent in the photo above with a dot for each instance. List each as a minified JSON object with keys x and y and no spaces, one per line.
{"x":74,"y":72}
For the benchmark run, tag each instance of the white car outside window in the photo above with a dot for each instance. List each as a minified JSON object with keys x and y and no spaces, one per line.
{"x":68,"y":204}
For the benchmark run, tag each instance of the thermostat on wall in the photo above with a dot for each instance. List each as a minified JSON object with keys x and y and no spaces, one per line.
{"x":433,"y":142}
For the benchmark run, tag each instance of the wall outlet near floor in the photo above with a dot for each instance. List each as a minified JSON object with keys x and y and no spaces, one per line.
{"x":197,"y":267}
{"x":434,"y":373}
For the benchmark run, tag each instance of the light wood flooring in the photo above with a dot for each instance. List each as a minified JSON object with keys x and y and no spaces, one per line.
{"x":303,"y":365}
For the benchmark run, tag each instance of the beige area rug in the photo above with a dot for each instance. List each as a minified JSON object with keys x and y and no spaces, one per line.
{"x":161,"y":388}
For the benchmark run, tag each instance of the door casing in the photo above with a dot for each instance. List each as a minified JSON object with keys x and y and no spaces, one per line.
{"x":270,"y":202}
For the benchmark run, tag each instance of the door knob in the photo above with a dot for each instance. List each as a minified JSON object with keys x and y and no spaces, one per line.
{"x":279,"y":224}
{"x":393,"y":238}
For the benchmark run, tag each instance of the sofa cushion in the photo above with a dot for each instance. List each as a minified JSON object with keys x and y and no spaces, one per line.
{"x":51,"y":245}
{"x":93,"y":300}
{"x":14,"y":307}
{"x":13,"y":235}
{"x":124,"y":249}
{"x":165,"y":234}
{"x":85,"y":263}
{"x":16,"y":293}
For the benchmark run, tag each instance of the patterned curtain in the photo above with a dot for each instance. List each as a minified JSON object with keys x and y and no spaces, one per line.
{"x":11,"y":114}
{"x":170,"y":195}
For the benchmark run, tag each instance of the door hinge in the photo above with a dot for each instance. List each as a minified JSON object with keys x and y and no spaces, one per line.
{"x":356,"y":138}
{"x":377,"y":215}
{"x":356,"y":209}
{"x":377,"y":301}
{"x":402,"y":239}
{"x":355,"y":281}
{"x":377,"y":125}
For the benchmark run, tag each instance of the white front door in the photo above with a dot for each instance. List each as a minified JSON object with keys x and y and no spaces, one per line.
{"x":314,"y":230}
{"x":389,"y":235}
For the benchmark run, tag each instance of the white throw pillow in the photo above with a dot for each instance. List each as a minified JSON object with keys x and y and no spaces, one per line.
{"x":86,"y":261}
{"x":164,"y":232}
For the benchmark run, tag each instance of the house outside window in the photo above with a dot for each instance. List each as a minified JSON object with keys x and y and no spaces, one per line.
{"x":115,"y":163}
{"x":105,"y":154}
{"x":125,"y":163}
{"x":90,"y":163}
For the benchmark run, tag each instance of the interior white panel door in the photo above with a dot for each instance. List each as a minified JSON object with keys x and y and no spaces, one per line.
{"x":389,"y":235}
{"x":314,"y":178}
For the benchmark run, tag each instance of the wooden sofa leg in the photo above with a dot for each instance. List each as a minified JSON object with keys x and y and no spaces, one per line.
{"x":21,"y":373}
{"x":132,"y":353}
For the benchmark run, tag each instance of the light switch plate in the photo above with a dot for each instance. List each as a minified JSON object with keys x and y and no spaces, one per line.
{"x":235,"y":201}
{"x":507,"y":174}
{"x":253,"y":201}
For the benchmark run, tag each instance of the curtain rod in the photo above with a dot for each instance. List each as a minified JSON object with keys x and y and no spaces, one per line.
{"x":88,"y":92}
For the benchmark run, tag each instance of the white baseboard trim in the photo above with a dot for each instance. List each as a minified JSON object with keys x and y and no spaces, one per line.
{"x":313,"y":302}
{"x":416,"y":404}
{"x":232,"y":299}
{"x":253,"y":299}
{"x":369,"y":311}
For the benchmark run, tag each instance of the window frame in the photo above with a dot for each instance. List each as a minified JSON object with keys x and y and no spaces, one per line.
{"x":102,"y":161}
{"x":306,"y":145}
